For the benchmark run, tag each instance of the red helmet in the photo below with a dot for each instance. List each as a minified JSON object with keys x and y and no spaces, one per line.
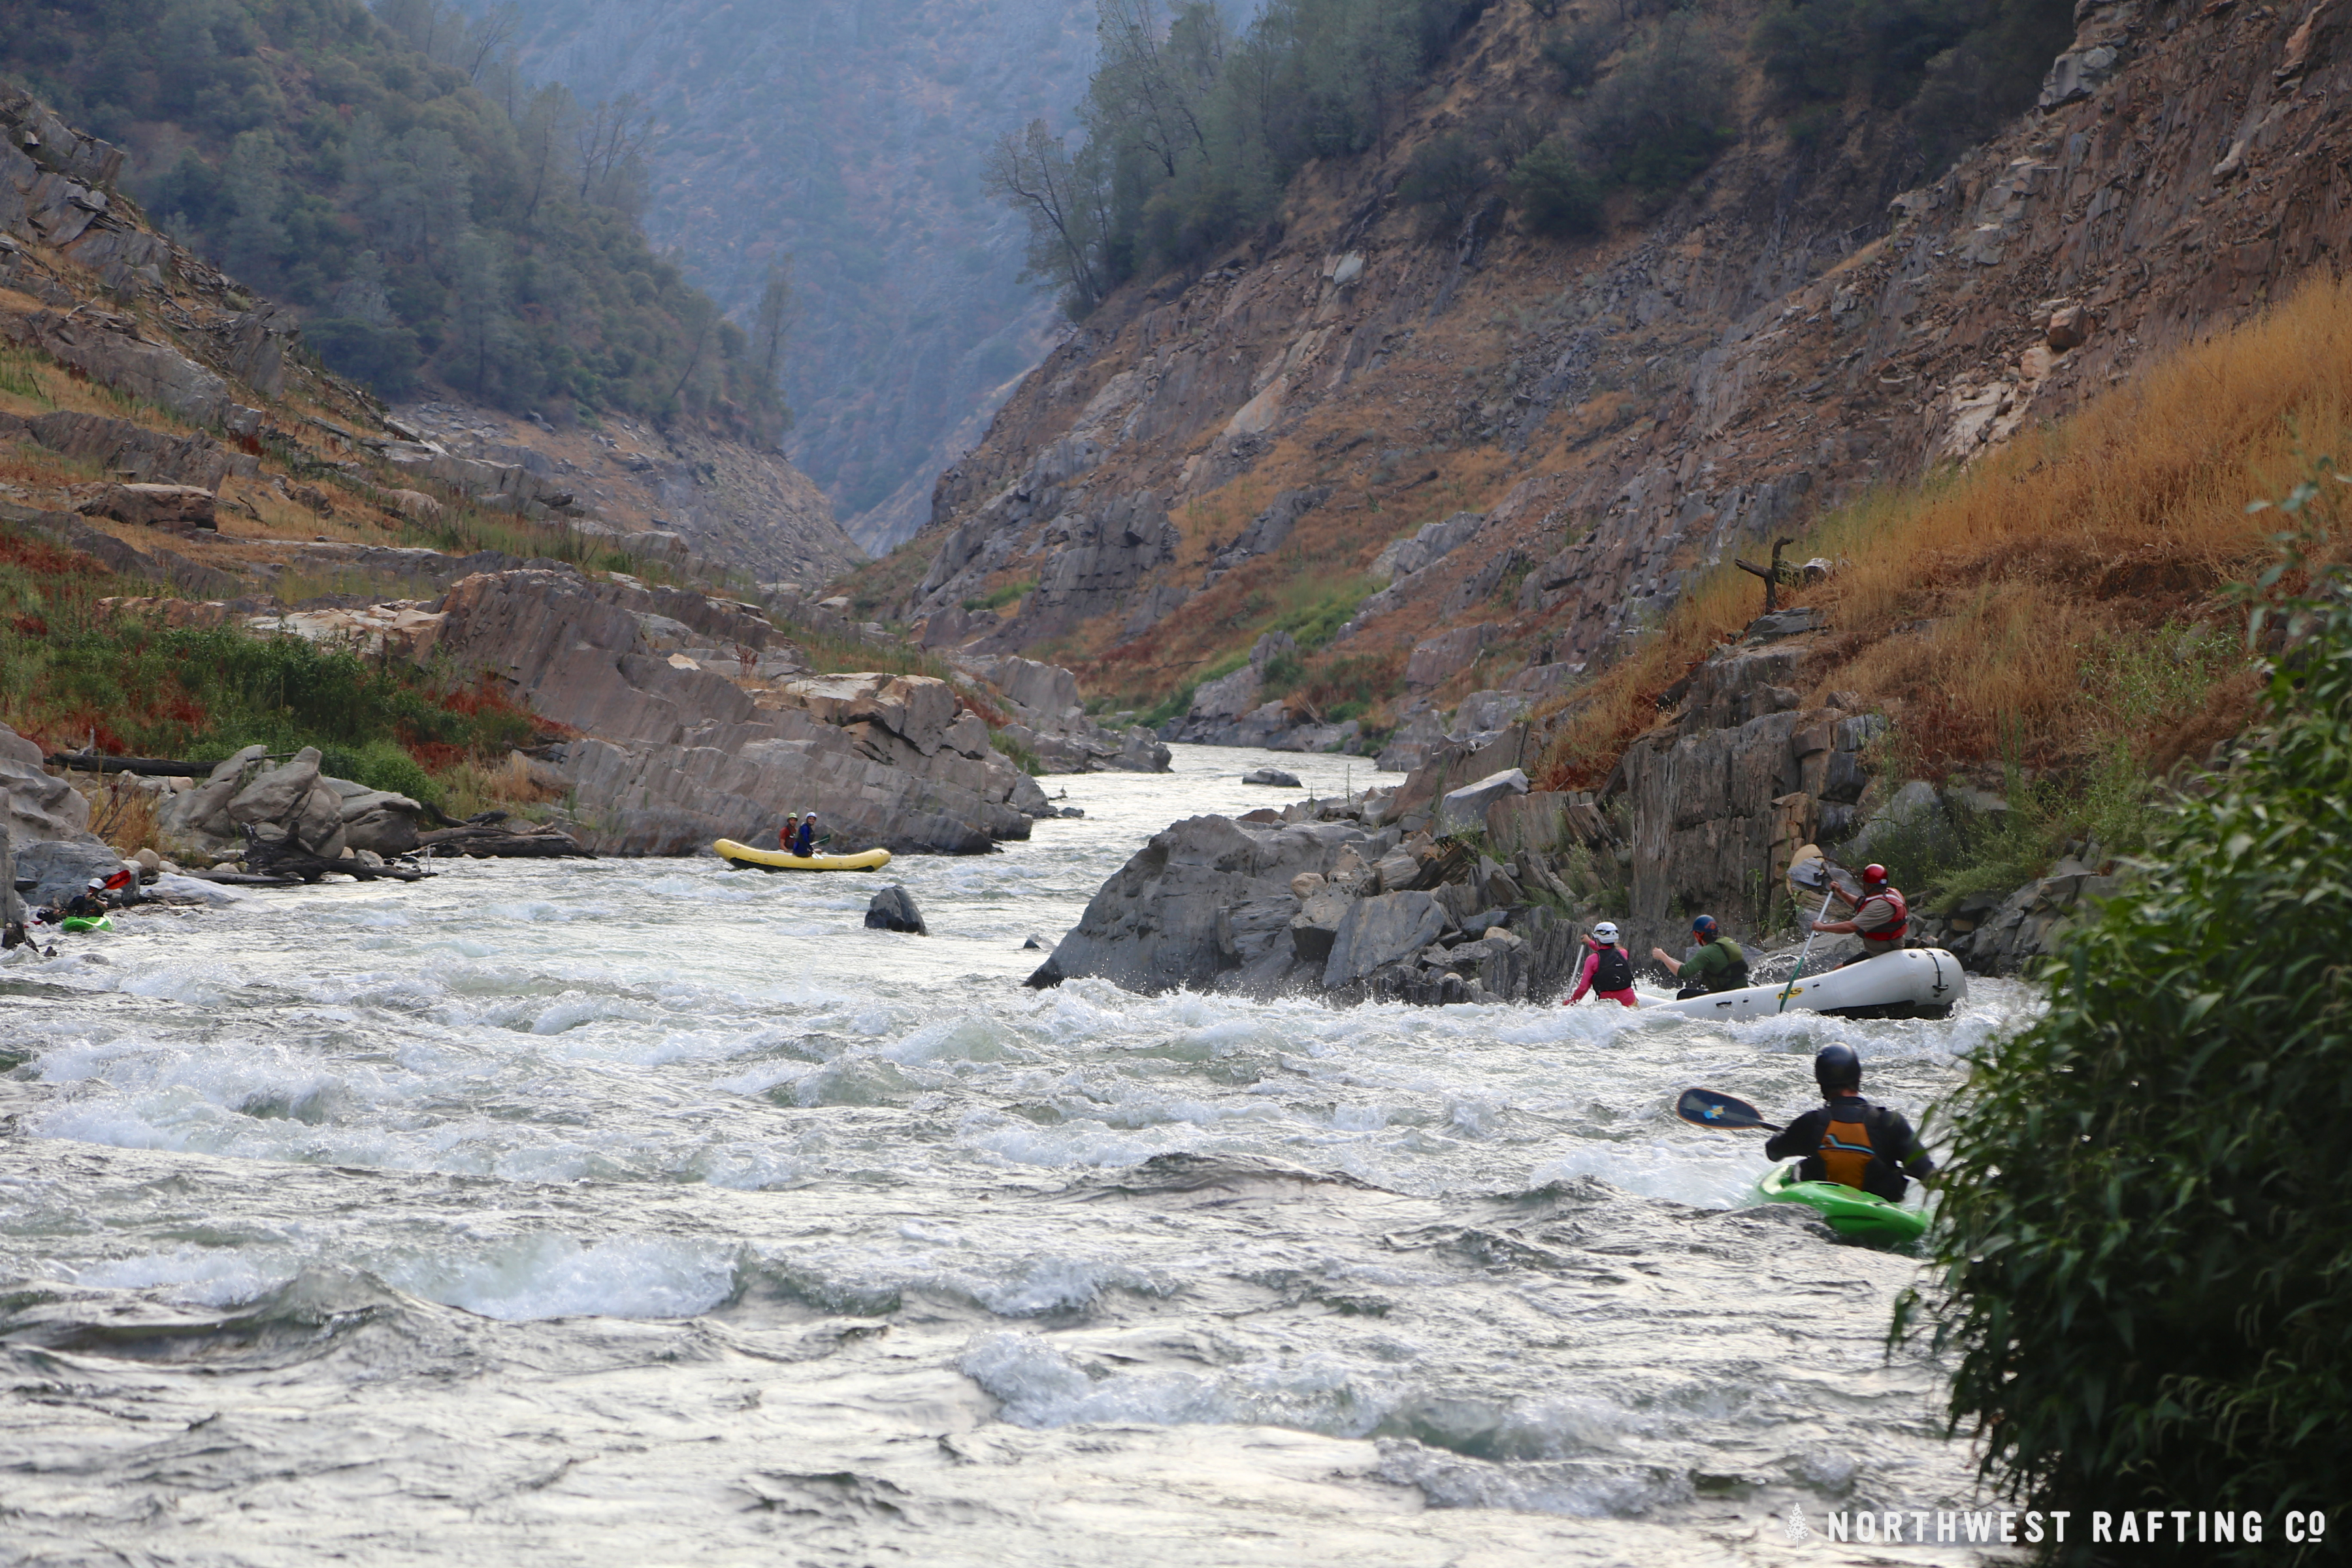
{"x":1872,"y":873}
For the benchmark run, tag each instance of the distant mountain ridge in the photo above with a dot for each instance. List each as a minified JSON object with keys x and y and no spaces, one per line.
{"x":846,"y":135}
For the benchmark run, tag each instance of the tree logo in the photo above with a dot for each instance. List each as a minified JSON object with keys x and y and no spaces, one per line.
{"x":1798,"y":1529}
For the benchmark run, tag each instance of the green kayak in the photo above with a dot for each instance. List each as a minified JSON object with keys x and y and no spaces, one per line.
{"x":1865,"y":1216}
{"x":84,"y":922}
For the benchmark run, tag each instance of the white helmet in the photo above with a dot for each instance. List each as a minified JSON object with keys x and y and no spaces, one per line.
{"x":1605,"y":932}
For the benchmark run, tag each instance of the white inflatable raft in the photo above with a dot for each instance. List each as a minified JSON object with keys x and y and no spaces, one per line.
{"x":1915,"y":983}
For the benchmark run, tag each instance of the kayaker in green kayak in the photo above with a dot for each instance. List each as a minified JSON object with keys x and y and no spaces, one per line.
{"x":1849,"y":1141}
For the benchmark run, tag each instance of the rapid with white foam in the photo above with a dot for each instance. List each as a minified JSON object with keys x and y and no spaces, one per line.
{"x":623,"y":1211}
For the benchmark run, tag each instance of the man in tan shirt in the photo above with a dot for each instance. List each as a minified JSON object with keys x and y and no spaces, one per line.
{"x":1880,"y":917}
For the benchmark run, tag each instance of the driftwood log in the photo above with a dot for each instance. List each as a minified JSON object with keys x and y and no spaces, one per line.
{"x":494,"y":835}
{"x":145,"y":767}
{"x":282,"y":857}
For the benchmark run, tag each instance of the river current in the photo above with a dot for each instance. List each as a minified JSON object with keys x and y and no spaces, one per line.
{"x":644,"y":1212}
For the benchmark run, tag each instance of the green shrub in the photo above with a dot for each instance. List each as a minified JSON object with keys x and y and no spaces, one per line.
{"x":1024,"y":756}
{"x":1175,"y":705}
{"x":2146,"y":1239}
{"x":997,"y":598}
{"x":1657,"y":122}
{"x":1576,"y":53}
{"x":1283,"y":673}
{"x":1445,"y":175}
{"x":381,"y":765}
{"x":1958,"y":71}
{"x":1554,"y":194}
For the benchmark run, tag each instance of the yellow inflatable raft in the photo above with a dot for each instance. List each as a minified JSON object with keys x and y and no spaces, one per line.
{"x":736,"y":854}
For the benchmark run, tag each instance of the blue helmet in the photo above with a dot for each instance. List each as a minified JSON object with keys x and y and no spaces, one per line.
{"x":1702,"y":926}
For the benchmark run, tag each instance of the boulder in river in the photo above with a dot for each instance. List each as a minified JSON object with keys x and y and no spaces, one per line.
{"x":1274,"y":776}
{"x":1215,"y":904}
{"x":893,"y":909}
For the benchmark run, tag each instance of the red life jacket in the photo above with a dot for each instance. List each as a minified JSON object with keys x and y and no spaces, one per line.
{"x":1890,"y":934}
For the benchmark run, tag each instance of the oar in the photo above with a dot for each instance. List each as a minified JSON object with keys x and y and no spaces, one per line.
{"x":1829,"y":886}
{"x":1710,"y":1107}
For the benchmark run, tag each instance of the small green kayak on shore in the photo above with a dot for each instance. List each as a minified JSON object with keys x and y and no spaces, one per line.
{"x":85,"y":922}
{"x":1865,"y":1216}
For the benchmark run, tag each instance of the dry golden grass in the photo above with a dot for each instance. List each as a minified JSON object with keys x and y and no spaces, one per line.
{"x":120,"y":812}
{"x":2009,"y":610}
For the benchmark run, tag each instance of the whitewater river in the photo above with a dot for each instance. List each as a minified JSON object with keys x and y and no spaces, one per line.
{"x":641,"y":1211}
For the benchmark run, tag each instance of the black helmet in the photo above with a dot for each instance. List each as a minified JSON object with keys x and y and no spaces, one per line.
{"x":1837,"y":1067}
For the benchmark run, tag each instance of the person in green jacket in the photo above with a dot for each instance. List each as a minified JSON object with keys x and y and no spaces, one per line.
{"x":1718,"y":963}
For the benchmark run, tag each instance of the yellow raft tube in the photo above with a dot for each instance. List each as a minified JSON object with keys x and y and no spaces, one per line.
{"x":736,"y":854}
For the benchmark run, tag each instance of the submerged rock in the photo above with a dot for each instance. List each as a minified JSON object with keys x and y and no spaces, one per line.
{"x":893,"y":909}
{"x":1275,"y":777}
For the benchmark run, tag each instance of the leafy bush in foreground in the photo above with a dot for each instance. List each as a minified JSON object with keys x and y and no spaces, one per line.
{"x":2146,"y":1235}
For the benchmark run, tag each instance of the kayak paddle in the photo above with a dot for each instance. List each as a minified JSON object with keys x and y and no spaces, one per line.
{"x":1709,"y":1108}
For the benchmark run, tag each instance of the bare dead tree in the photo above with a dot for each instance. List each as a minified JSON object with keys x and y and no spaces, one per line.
{"x":1773,"y":575}
{"x":1033,"y":171}
{"x":491,"y":32}
{"x":610,"y":137}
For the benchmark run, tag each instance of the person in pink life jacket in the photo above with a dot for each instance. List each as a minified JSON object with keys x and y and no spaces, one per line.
{"x":1608,"y":969}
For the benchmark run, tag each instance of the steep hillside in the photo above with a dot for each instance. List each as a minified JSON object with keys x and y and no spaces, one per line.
{"x":211,"y":548}
{"x":1216,"y":456}
{"x":844,"y":140}
{"x":441,"y":234}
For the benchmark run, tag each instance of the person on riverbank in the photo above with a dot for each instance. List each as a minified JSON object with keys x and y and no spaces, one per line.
{"x":1718,"y":963}
{"x":1849,"y":1141}
{"x":805,"y":844}
{"x":1880,"y":916}
{"x":1607,"y":969}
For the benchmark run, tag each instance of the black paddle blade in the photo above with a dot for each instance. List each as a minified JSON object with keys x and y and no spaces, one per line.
{"x":1707,"y":1107}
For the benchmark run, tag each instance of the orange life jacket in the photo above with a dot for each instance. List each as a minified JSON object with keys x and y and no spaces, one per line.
{"x":1847,"y":1151}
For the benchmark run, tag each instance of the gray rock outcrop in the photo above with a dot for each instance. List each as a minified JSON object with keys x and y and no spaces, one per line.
{"x":1381,"y":930}
{"x":1045,"y":714}
{"x":289,"y":803}
{"x":1321,"y":905}
{"x":41,"y":809}
{"x":1432,"y":543}
{"x":60,"y":867}
{"x":133,"y":451}
{"x":1466,"y":808}
{"x":675,"y":754}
